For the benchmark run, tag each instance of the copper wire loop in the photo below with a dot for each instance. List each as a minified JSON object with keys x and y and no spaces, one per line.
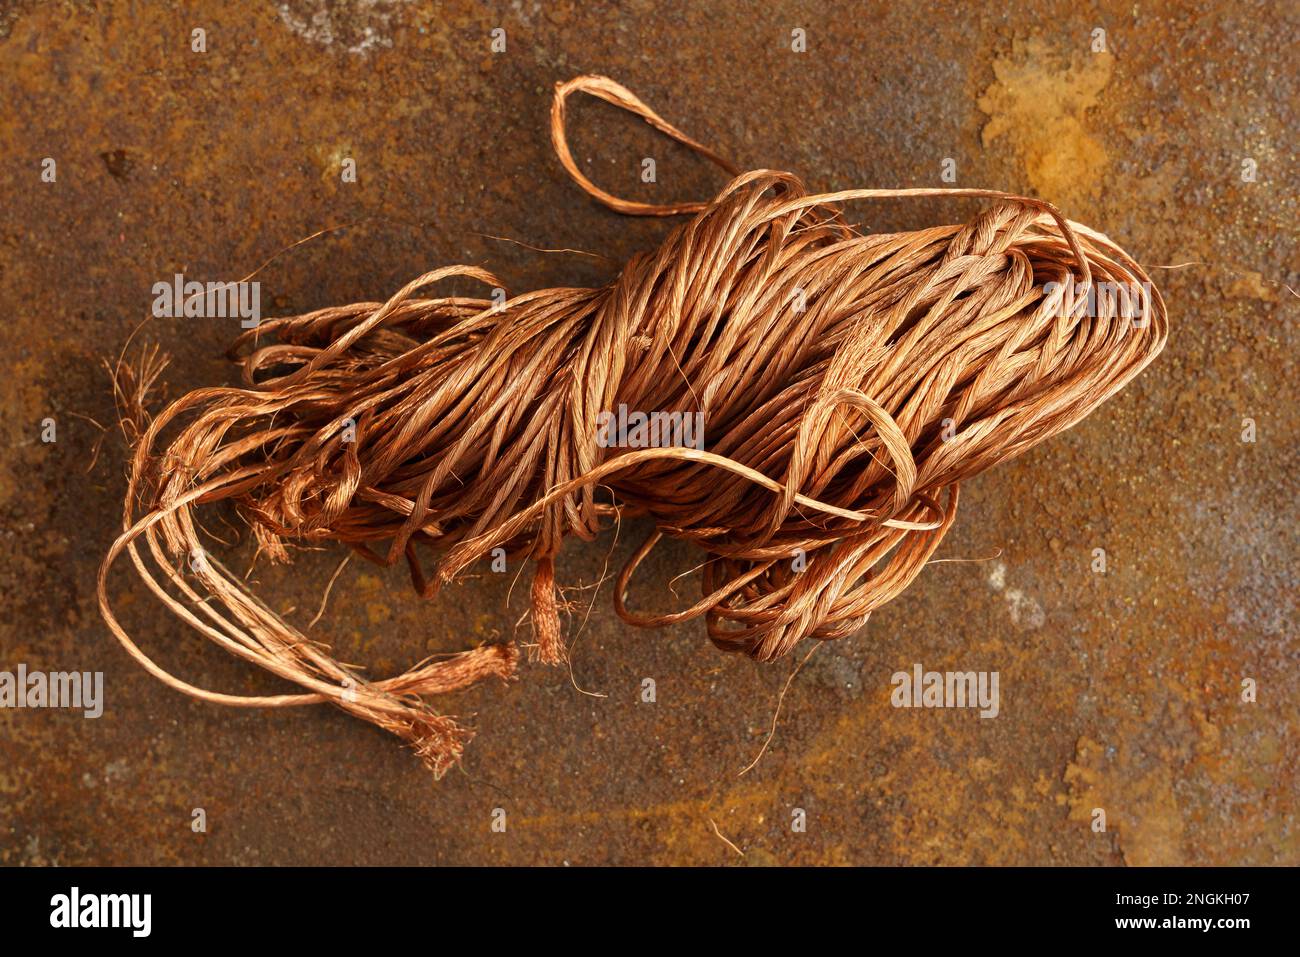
{"x":849,"y":384}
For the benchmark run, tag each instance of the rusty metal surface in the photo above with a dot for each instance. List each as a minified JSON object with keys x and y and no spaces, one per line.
{"x":1119,"y":691}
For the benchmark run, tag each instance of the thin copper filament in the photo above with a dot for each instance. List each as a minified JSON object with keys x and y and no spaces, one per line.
{"x":848,"y":382}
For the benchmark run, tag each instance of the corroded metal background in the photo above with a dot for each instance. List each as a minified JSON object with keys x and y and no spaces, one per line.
{"x":1120,"y":691}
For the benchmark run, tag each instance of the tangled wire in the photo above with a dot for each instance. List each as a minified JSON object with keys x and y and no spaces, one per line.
{"x":849,"y":384}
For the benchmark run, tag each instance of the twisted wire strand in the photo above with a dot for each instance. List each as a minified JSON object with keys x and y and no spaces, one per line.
{"x":849,"y":384}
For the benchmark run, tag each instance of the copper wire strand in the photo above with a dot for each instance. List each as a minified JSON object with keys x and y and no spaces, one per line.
{"x":842,"y":430}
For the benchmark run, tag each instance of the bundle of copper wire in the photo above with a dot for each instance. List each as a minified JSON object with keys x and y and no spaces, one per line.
{"x":849,"y":383}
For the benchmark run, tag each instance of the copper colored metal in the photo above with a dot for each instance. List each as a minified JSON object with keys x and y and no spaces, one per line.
{"x":849,"y":383}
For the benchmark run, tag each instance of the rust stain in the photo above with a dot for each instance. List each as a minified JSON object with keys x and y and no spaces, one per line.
{"x":1042,"y":108}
